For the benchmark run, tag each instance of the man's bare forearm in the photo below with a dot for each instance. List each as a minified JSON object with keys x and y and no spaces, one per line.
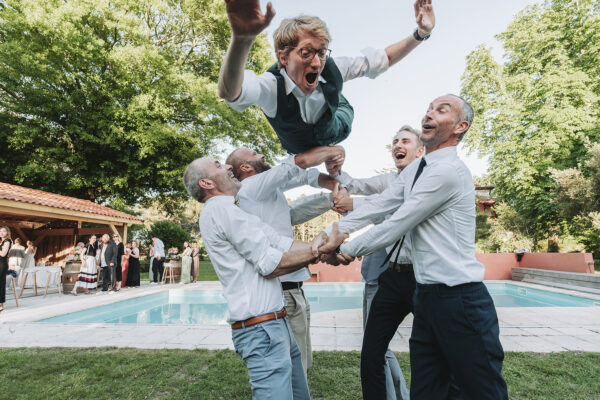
{"x":231,"y":75}
{"x":318,"y":155}
{"x":401,"y":49}
{"x":297,"y":257}
{"x":327,"y":182}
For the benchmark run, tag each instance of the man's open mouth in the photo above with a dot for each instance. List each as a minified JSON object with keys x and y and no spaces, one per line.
{"x":428,"y":126}
{"x":311,"y":77}
{"x":400,"y":156}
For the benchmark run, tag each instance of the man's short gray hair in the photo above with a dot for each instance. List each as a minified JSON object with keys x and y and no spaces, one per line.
{"x":193,"y":173}
{"x":466,"y":114}
{"x":416,"y":132}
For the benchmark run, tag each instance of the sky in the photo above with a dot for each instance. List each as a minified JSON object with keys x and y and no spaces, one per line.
{"x":401,"y":95}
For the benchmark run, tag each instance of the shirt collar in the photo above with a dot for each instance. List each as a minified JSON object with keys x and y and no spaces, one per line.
{"x":290,"y":85}
{"x":220,"y":199}
{"x":441,"y":154}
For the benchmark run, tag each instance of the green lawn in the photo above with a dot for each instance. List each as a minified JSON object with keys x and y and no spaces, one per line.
{"x":206,"y":272}
{"x":110,"y":373}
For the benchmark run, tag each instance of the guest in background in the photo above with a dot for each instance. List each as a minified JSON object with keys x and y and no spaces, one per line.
{"x":196,"y":261}
{"x":118,"y":268}
{"x":151,"y":255}
{"x":108,"y":262}
{"x":15,"y":257}
{"x":29,"y":258}
{"x":158,"y":268}
{"x":5,"y":245}
{"x":125,"y":265}
{"x":186,"y":263}
{"x":88,"y":275}
{"x":133,"y":275}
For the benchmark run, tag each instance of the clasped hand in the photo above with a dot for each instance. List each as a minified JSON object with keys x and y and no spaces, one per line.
{"x":324,"y":247}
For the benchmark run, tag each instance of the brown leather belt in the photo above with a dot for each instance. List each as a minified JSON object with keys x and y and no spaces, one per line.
{"x":258,"y":320}
{"x":401,"y":267}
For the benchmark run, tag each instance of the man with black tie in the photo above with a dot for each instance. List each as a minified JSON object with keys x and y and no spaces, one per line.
{"x":455,"y":328}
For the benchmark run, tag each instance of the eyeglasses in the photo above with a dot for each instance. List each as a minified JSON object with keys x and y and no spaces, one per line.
{"x":307,"y":54}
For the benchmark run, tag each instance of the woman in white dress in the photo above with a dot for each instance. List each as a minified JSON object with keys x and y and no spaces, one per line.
{"x":88,"y":275}
{"x":28,"y":260}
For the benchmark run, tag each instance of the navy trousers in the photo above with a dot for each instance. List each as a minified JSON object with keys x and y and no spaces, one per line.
{"x":455,"y":330}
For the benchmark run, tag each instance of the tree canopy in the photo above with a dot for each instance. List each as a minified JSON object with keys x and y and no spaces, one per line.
{"x":536,"y":111}
{"x":112,"y":99}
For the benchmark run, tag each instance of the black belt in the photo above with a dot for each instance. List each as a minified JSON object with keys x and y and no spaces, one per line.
{"x":401,"y":267}
{"x":291,"y":285}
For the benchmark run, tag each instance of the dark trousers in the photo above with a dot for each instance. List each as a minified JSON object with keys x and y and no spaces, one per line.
{"x":158,"y":267}
{"x":105,"y":276}
{"x":391,"y":304}
{"x":455,"y":329}
{"x":3,"y":271}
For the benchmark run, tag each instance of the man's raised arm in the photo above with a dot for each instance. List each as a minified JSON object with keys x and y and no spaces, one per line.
{"x":247,"y":21}
{"x":425,"y":23}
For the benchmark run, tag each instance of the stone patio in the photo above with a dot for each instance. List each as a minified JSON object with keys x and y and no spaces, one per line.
{"x":541,"y":329}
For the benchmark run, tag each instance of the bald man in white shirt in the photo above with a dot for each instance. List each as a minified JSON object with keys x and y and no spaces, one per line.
{"x":262,"y":194}
{"x":455,"y":327}
{"x":248,"y":257}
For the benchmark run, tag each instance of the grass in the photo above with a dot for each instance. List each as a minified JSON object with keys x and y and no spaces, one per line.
{"x":110,"y":373}
{"x":206,"y":272}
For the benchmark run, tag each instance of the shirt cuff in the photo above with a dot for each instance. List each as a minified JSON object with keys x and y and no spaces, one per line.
{"x":249,"y":85}
{"x":344,"y":178}
{"x":347,"y":248}
{"x":358,"y":201}
{"x":285,"y":243}
{"x":378,"y":61}
{"x":270,"y":261}
{"x":313,"y":177}
{"x":290,"y":160}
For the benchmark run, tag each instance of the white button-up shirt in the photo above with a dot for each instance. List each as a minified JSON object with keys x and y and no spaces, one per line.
{"x":262,"y":195}
{"x":261,"y":90}
{"x":375,"y":185}
{"x":159,"y":248}
{"x":243,"y":250}
{"x":440,"y":212}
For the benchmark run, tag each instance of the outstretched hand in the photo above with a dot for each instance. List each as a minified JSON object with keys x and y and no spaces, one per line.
{"x":425,"y":16}
{"x":246,"y":18}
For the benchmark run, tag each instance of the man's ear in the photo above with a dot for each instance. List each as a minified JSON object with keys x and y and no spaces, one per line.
{"x":206,"y":183}
{"x":461,"y":127}
{"x":420,"y":151}
{"x":283,"y":57}
{"x":246,"y":168}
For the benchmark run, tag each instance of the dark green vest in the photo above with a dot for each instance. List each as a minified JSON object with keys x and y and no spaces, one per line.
{"x":297,"y":136}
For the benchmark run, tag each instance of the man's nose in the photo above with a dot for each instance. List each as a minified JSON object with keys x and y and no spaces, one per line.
{"x":316,"y":61}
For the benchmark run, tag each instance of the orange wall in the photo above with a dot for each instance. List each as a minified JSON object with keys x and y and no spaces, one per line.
{"x":497,"y":266}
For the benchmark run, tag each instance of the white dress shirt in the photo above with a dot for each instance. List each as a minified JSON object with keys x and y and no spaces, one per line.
{"x":440,"y":212}
{"x":243,"y":250}
{"x":370,"y":186}
{"x":159,"y":248}
{"x":262,"y":195}
{"x":261,"y":90}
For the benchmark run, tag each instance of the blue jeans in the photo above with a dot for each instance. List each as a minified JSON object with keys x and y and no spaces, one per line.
{"x":273,"y":360}
{"x":395,"y":384}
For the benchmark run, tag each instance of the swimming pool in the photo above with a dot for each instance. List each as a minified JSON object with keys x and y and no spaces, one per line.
{"x":207,"y":307}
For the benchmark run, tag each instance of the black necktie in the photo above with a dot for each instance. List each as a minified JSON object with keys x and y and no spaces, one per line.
{"x":400,"y":242}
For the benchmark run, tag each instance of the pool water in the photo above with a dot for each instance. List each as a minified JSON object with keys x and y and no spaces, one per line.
{"x":207,"y":307}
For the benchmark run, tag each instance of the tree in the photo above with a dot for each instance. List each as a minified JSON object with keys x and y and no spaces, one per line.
{"x":536,"y":111}
{"x":103,"y":99}
{"x":577,"y":194}
{"x":171,"y":234}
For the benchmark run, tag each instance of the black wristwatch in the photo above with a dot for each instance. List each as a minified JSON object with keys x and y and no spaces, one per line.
{"x":419,"y":38}
{"x":337,"y":250}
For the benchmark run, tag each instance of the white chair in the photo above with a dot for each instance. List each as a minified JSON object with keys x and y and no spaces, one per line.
{"x":169,"y":269}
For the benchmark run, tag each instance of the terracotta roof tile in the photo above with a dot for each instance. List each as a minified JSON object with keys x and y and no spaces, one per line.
{"x":33,"y":196}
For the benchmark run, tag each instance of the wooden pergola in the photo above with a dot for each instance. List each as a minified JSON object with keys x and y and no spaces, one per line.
{"x":54,"y":222}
